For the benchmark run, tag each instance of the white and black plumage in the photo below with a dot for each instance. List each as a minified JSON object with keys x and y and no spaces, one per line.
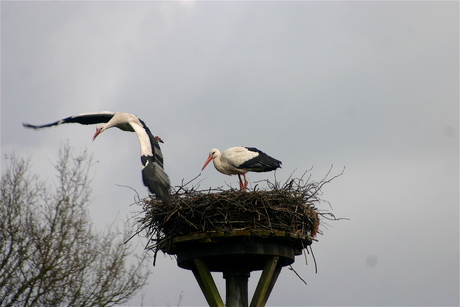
{"x":240,"y":160}
{"x":153,"y":174}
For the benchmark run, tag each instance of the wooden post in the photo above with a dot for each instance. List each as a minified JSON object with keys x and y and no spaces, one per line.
{"x":236,"y":289}
{"x":266,"y":282}
{"x":207,"y":284}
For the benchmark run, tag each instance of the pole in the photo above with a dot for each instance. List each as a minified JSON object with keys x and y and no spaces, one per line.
{"x":236,"y":289}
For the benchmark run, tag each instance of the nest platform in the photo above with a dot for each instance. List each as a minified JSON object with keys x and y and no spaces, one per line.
{"x":237,"y":250}
{"x":235,"y":232}
{"x":197,"y":219}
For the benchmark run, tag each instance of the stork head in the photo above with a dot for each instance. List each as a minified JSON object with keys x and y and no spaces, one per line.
{"x":212,"y":155}
{"x":99,"y":129}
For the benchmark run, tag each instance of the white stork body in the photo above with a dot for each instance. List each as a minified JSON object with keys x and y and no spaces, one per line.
{"x":153,"y":174}
{"x":240,"y":160}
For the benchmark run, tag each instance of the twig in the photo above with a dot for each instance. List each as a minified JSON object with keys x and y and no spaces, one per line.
{"x":184,"y":185}
{"x":314,"y":259}
{"x":135,"y":191}
{"x":292,"y":269}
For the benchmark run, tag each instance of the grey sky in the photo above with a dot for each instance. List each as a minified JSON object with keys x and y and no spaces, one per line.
{"x":372,"y":86}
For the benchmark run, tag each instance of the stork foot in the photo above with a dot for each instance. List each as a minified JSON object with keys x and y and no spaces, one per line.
{"x":245,"y":188}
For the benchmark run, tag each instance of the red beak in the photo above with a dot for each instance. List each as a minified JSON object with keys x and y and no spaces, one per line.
{"x":96,"y":134}
{"x":207,"y":162}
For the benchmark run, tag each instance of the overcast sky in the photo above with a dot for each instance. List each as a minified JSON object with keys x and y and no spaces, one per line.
{"x":370,"y":86}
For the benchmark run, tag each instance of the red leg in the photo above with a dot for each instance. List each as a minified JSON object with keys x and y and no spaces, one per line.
{"x":241,"y":182}
{"x":246,"y":183}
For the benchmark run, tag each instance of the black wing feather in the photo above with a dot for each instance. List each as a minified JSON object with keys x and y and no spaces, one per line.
{"x":84,"y":119}
{"x":156,"y":150}
{"x":261,"y":163}
{"x":153,"y":174}
{"x":155,"y":178}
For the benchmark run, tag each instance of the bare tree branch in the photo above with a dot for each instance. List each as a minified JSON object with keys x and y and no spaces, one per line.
{"x":49,"y":253}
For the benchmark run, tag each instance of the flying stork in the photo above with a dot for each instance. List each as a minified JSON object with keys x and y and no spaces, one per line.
{"x":240,"y":160}
{"x":153,"y":174}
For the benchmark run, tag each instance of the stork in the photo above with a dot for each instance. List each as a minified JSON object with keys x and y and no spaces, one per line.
{"x":153,"y":174}
{"x":240,"y":160}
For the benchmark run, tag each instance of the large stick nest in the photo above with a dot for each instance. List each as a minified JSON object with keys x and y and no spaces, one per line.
{"x":285,"y":213}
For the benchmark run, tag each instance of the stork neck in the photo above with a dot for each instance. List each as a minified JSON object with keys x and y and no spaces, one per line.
{"x":218,"y":164}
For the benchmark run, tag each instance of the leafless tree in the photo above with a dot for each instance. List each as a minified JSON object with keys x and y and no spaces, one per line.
{"x":50,"y":255}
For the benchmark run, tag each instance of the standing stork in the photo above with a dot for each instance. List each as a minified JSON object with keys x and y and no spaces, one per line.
{"x":240,"y":160}
{"x":153,"y":174}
